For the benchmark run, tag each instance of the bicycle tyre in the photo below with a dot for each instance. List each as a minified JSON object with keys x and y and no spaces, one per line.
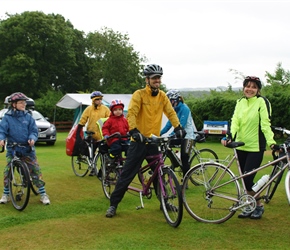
{"x":80,"y":165}
{"x":171,"y":202}
{"x":110,"y":176}
{"x":204,"y":202}
{"x":271,"y":189}
{"x":19,"y":184}
{"x":287,"y":186}
{"x":203,"y":155}
{"x":33,"y":188}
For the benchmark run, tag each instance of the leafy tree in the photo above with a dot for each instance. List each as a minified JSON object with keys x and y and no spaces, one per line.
{"x":114,"y":65}
{"x":39,"y":52}
{"x":280,"y":77}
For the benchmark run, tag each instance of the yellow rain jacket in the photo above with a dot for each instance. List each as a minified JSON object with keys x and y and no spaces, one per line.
{"x":91,"y":115}
{"x":145,"y":111}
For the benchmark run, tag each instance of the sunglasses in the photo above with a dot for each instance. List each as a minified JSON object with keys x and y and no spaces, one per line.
{"x":98,"y":99}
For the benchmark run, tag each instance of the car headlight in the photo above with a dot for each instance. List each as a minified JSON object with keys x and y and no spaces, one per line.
{"x":52,"y":128}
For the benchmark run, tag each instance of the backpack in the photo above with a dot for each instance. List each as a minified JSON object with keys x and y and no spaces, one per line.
{"x":74,"y":140}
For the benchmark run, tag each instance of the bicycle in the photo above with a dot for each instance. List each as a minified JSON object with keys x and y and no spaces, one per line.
{"x":19,"y":179}
{"x":110,"y":172}
{"x":214,"y":194}
{"x":271,"y":189}
{"x":168,"y":188}
{"x":196,"y":155}
{"x":87,"y":160}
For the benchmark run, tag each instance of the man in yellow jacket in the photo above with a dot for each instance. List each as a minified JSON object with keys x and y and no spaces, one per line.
{"x":92,"y":114}
{"x":145,"y":118}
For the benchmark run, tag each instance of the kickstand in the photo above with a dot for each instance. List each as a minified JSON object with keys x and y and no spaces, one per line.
{"x":141,"y":199}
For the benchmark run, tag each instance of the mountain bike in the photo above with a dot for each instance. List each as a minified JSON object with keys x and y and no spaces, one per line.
{"x":196,"y":155}
{"x":271,"y":189}
{"x":19,"y":179}
{"x":168,"y":187}
{"x":214,"y":193}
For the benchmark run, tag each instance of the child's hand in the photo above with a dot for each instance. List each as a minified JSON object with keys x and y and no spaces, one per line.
{"x":31,"y":142}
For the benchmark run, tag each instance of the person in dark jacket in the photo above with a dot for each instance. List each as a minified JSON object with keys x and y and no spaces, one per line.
{"x":19,"y":126}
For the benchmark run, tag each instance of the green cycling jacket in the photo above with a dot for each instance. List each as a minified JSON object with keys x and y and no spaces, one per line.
{"x":251,"y":123}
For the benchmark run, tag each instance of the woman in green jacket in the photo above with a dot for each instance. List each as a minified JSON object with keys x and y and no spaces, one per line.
{"x":251,"y":124}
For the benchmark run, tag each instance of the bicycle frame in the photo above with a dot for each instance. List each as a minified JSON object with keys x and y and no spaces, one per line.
{"x":240,"y":177}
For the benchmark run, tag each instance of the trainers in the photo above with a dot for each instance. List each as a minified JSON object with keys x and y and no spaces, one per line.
{"x":244,"y":215}
{"x":44,"y":199}
{"x":111,"y":212}
{"x":257,"y":214}
{"x":92,"y":173}
{"x":5,"y":198}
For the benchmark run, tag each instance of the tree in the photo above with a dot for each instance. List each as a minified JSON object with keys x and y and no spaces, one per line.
{"x":280,"y":77}
{"x":41,"y":52}
{"x":114,"y":65}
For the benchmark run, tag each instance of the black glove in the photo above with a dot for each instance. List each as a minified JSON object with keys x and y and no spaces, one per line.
{"x":179,"y":132}
{"x":136,"y":135}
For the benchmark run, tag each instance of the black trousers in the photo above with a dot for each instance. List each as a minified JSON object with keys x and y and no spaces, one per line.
{"x":135,"y":155}
{"x":249,"y":161}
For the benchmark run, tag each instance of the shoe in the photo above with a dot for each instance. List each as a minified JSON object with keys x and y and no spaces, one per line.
{"x":244,"y":215}
{"x":92,"y":173}
{"x":111,"y":212}
{"x":5,"y":198}
{"x":110,"y":161}
{"x":258,"y":212}
{"x":44,"y":199}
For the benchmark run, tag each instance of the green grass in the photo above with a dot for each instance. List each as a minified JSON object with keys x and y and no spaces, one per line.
{"x":76,"y":217}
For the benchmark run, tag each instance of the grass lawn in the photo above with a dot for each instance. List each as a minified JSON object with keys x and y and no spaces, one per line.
{"x":76,"y":217}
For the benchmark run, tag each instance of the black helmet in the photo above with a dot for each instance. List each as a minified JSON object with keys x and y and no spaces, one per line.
{"x":152,"y":70}
{"x":253,"y":79}
{"x":17,"y":96}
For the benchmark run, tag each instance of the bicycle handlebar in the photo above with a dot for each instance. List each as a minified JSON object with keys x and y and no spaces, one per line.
{"x":283,"y":130}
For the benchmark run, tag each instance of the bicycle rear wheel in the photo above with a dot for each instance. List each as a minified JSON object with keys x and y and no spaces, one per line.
{"x":205,"y":197}
{"x":271,"y":189}
{"x":80,"y":165}
{"x":110,"y":176}
{"x":19,"y":185}
{"x":203,"y":155}
{"x":170,"y":195}
{"x":287,"y":186}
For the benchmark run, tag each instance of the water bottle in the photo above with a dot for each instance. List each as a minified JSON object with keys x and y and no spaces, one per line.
{"x":260,"y":183}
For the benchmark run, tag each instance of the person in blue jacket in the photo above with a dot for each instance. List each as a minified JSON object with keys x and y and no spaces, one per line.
{"x":184,"y":115}
{"x":19,"y":126}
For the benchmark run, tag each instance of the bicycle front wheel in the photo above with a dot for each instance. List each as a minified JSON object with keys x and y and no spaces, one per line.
{"x":19,"y":185}
{"x":80,"y":165}
{"x":170,"y":195}
{"x":287,"y":186}
{"x":110,"y":176}
{"x":271,"y":189}
{"x":205,"y":196}
{"x":203,"y":155}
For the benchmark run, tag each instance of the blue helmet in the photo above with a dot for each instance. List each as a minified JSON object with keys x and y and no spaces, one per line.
{"x":96,"y":94}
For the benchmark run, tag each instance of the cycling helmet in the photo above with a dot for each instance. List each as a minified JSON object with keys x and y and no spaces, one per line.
{"x":96,"y":94}
{"x":253,"y":79}
{"x":116,"y":104}
{"x":173,"y":94}
{"x":152,"y":70}
{"x":17,"y":96}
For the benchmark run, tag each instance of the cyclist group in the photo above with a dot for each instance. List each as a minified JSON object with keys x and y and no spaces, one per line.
{"x":250,"y":123}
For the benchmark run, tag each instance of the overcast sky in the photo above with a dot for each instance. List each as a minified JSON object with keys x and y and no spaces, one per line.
{"x":196,"y":42}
